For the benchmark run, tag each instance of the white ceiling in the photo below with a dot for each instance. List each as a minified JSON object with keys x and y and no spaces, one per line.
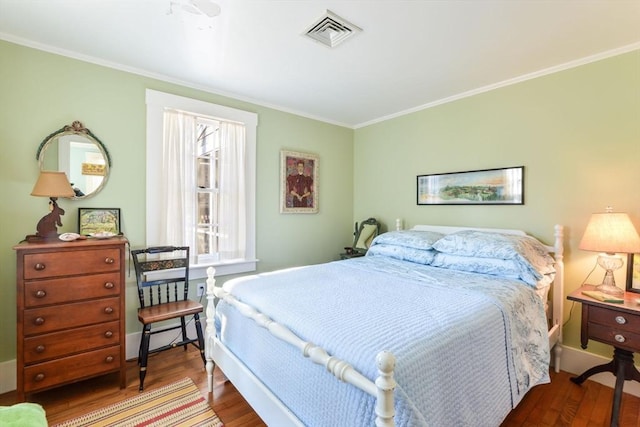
{"x":410,"y":54}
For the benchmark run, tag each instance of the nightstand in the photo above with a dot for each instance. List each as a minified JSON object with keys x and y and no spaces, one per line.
{"x":617,"y":324}
{"x":347,"y":255}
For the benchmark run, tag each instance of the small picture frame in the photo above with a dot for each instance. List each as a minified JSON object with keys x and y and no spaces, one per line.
{"x":298,"y":182}
{"x":633,"y":273}
{"x":98,"y":220}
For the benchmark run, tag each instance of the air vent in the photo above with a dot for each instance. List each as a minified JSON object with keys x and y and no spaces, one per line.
{"x":331,"y":30}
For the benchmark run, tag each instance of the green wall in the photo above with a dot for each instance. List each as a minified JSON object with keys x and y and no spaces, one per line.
{"x":42,"y":92}
{"x":577,"y":132}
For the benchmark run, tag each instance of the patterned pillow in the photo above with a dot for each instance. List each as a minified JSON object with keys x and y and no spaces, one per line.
{"x":527,"y":252}
{"x":419,"y":256}
{"x":507,"y":268}
{"x":408,"y":238}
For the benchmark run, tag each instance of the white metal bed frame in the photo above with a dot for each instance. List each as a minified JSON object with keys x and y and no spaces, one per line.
{"x":274,"y":412}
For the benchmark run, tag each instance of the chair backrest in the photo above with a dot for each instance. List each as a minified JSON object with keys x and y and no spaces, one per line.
{"x":162,"y":274}
{"x":363,"y":235}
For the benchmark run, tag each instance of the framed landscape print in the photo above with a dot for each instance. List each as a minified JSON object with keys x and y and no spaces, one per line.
{"x":298,"y":182}
{"x":504,"y":186}
{"x":633,"y":273}
{"x":98,"y":220}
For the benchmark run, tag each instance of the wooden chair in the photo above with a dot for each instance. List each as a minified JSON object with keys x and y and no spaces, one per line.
{"x":162,"y":274}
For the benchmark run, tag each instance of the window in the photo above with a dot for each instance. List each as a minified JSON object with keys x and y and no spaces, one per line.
{"x":201,"y":181}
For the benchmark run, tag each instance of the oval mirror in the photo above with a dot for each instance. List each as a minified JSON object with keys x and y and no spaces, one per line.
{"x":76,"y":151}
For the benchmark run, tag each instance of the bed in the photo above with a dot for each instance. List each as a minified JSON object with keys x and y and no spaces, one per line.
{"x":435,"y":326}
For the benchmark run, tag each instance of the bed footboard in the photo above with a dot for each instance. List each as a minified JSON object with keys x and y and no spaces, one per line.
{"x":382,"y":388}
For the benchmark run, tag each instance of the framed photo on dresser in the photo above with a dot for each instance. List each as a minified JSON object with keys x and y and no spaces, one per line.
{"x":633,"y":273}
{"x":98,"y":220}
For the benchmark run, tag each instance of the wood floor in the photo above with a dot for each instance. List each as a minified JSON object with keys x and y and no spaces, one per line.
{"x":560,"y":403}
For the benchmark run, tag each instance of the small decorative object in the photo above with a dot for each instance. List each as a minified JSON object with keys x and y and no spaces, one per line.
{"x":50,"y":184}
{"x":100,"y":223}
{"x":70,"y":237}
{"x":299,"y":182}
{"x":503,"y":186}
{"x":633,"y":273}
{"x":610,"y":233}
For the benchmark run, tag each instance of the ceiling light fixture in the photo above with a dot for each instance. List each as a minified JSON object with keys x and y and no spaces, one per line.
{"x":331,"y":30}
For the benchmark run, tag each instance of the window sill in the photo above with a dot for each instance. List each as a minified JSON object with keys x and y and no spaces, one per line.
{"x":199,"y":271}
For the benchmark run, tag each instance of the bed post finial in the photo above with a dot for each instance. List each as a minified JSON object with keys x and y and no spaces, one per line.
{"x":558,"y":293}
{"x":385,"y":407}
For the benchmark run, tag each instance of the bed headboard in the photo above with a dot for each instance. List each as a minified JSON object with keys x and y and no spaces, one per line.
{"x":446,"y":229}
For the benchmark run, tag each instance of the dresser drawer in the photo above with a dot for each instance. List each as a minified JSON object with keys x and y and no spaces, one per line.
{"x":55,"y":264}
{"x":66,"y":316}
{"x":57,"y":344}
{"x":71,"y":368}
{"x":617,"y":337}
{"x":69,"y":289}
{"x":614,"y":319}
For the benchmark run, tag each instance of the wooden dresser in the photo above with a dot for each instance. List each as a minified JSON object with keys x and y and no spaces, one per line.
{"x":70,"y":312}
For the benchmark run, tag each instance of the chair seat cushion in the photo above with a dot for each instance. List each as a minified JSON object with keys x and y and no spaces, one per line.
{"x":169,"y":310}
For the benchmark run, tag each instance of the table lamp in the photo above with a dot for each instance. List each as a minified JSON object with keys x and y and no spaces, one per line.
{"x":610,"y":233}
{"x":51,"y":184}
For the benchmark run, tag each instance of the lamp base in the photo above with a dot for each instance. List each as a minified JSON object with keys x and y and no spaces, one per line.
{"x":610,"y":289}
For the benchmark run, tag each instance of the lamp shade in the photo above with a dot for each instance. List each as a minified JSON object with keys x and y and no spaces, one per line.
{"x":52,"y":184}
{"x":610,"y":232}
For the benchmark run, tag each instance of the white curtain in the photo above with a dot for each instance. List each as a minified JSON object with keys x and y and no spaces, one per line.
{"x":232,"y":227}
{"x":178,"y":180}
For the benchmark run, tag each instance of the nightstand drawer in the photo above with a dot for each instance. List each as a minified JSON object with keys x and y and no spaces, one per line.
{"x":614,"y":319}
{"x":68,"y":289}
{"x":617,"y":337}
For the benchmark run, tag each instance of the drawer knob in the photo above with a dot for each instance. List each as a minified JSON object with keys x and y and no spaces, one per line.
{"x":109,"y":285}
{"x":38,"y":321}
{"x":108,"y":359}
{"x":108,"y":334}
{"x":40,"y":349}
{"x":39,"y":377}
{"x":41,"y":294}
{"x":109,"y":260}
{"x":108,"y":310}
{"x":39,"y":267}
{"x":620,"y":320}
{"x":620,"y":338}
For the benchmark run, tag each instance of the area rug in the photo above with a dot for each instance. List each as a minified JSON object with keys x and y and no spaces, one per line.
{"x":177,"y":404}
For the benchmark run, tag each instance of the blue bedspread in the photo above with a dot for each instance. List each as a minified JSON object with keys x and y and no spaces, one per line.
{"x":468,"y":346}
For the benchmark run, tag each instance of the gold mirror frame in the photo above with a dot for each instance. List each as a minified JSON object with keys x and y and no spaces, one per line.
{"x":56,"y":152}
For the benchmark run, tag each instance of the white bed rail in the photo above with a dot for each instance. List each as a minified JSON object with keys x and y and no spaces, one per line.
{"x":382,"y":389}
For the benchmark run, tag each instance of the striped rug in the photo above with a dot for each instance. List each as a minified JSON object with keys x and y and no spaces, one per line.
{"x":177,"y":404}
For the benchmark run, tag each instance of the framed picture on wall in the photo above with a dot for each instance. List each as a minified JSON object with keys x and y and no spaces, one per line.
{"x":99,"y":221}
{"x":504,"y":186}
{"x":298,"y":182}
{"x":633,"y":273}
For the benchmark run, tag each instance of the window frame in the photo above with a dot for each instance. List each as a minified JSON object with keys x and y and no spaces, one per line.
{"x":157,"y":102}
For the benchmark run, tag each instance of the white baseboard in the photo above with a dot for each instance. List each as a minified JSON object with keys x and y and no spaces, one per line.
{"x":574,"y":361}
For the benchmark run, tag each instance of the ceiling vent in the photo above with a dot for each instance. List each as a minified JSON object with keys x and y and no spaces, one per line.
{"x":331,"y":30}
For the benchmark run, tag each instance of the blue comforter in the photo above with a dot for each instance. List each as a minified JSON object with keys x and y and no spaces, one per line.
{"x":468,"y":346}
